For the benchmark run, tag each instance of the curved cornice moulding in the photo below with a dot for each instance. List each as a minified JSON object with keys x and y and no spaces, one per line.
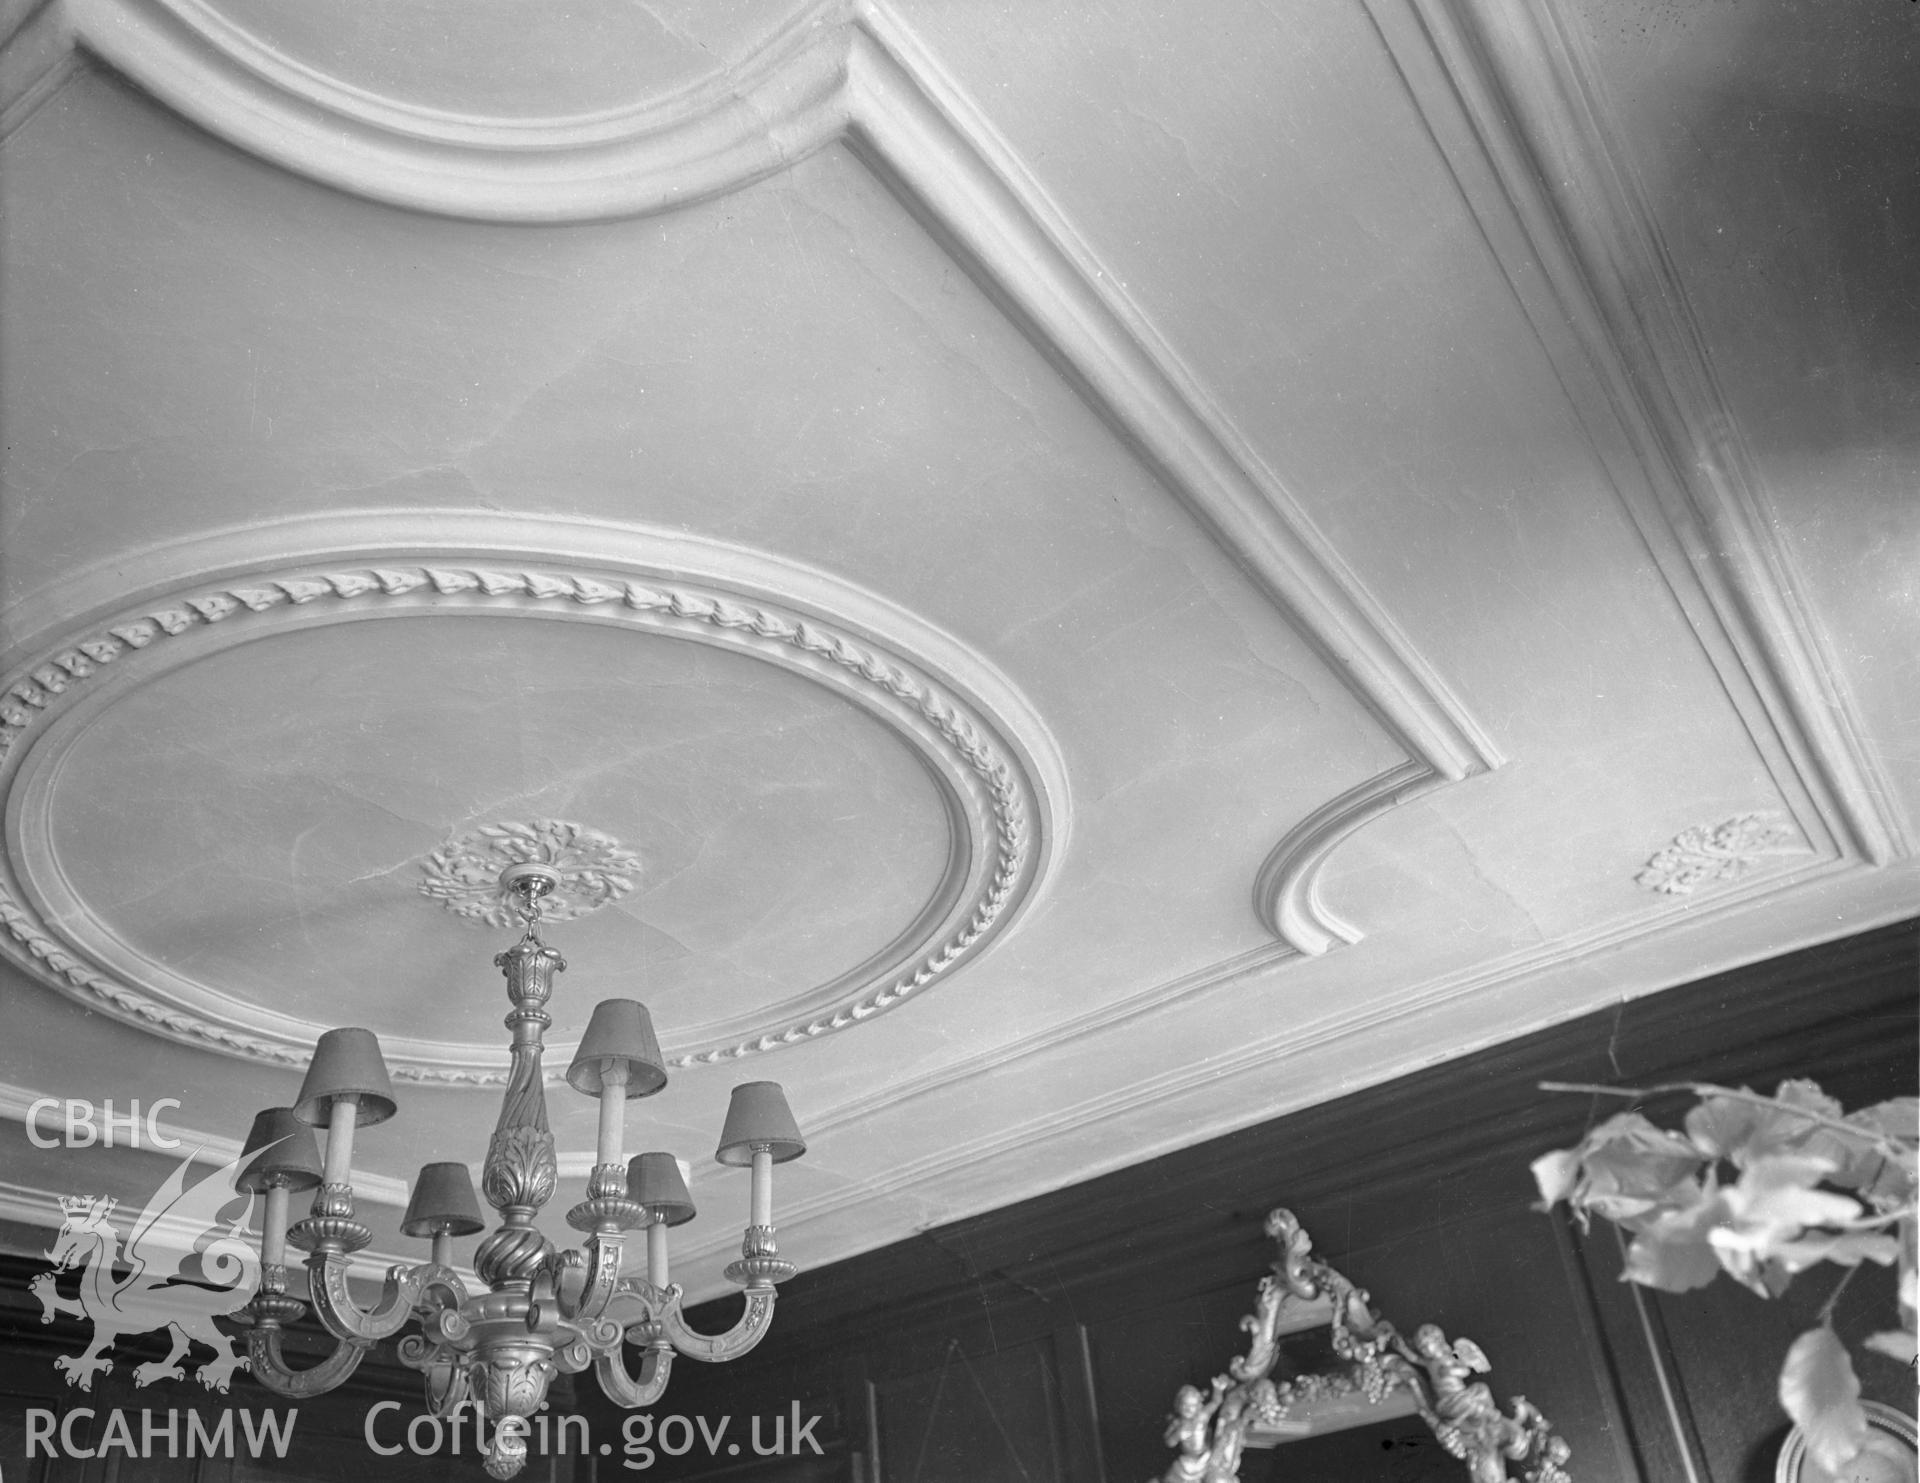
{"x":1286,"y":894}
{"x":998,"y":771}
{"x":783,"y":103}
{"x":847,"y":72}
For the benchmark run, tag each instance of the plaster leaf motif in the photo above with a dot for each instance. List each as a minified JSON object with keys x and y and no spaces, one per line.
{"x":302,"y":589}
{"x":588,"y":591}
{"x":1718,"y":852}
{"x":394,"y":583}
{"x":463,"y":875}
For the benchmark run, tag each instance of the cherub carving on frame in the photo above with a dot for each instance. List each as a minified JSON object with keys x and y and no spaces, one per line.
{"x":1187,"y":1433}
{"x":1210,"y":1430}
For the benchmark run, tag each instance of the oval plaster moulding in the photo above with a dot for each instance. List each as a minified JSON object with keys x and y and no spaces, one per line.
{"x":997,"y":775}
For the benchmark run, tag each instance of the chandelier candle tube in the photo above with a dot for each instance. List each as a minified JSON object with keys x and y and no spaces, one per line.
{"x":613,"y":1111}
{"x":762,"y":1200}
{"x":273,"y":1227}
{"x":340,"y":1121}
{"x":657,"y":1254}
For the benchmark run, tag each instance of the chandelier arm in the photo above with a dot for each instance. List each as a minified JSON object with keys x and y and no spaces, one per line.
{"x":602,"y":1258}
{"x":636,"y":1300}
{"x":406,"y":1288}
{"x":624,"y":1388}
{"x":719,"y":1348}
{"x":637,"y":1306}
{"x":263,"y":1355}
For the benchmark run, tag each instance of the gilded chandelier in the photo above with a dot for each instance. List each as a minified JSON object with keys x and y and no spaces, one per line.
{"x":545,"y":1310}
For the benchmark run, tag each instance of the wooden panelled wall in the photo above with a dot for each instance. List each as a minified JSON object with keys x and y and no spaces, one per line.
{"x":1045,"y":1341}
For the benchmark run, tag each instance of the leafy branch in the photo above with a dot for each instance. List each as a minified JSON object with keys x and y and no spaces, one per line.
{"x":1760,"y":1188}
{"x":1894,"y":1145}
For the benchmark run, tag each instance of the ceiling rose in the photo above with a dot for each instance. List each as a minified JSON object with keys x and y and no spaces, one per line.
{"x":992,"y":803}
{"x":590,"y":869}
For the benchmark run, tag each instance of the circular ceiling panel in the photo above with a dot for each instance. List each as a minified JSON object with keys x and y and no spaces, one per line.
{"x":221,"y":808}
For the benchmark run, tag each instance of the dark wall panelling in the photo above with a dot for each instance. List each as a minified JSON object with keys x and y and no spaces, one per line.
{"x":1045,"y":1341}
{"x":988,"y":1418}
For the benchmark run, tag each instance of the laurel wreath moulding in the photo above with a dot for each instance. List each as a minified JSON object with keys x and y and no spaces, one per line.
{"x":967,"y":750}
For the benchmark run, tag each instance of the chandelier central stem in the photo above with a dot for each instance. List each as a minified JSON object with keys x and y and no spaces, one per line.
{"x":520,"y":1171}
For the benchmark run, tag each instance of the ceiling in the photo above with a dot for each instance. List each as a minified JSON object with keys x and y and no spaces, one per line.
{"x":1118,"y":577}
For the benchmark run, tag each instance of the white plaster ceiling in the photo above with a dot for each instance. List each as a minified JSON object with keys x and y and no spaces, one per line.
{"x":1120,"y":576}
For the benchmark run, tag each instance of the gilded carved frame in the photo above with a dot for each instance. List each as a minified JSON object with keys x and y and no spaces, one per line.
{"x":1375,"y":1365}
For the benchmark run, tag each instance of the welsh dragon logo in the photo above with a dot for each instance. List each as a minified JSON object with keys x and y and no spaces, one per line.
{"x":149,"y":1286}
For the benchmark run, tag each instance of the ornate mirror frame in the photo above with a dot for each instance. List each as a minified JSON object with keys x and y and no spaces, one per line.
{"x":1378,"y":1374}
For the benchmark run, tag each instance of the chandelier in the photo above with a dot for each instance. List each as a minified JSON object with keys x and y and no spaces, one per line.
{"x":545,"y":1311}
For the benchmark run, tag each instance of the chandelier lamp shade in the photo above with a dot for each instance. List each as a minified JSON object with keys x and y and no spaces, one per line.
{"x":544,"y":1311}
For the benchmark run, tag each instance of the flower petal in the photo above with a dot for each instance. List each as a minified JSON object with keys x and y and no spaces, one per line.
{"x":1556,"y":1174}
{"x":1821,"y":1393}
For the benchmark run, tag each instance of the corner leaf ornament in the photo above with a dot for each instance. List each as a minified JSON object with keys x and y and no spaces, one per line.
{"x":1761,"y":1189}
{"x":1725,"y":851}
